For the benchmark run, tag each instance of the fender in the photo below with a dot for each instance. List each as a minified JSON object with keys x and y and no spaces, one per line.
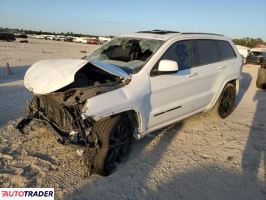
{"x":213,"y":102}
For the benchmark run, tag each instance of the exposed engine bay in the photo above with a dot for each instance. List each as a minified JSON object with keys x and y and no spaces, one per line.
{"x":61,"y":110}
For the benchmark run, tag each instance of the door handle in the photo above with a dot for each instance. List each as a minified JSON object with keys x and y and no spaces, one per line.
{"x":222,"y":67}
{"x":194,"y":74}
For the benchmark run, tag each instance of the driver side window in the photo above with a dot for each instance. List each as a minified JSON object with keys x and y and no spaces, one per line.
{"x":182,"y":52}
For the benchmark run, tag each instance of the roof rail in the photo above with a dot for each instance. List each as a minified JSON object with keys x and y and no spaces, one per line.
{"x":201,"y":33}
{"x":157,"y":31}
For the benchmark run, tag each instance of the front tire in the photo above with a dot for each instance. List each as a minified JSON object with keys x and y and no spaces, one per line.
{"x":115,"y":137}
{"x":226,"y":102}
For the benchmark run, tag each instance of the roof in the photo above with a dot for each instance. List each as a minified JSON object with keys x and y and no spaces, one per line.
{"x":163,"y":34}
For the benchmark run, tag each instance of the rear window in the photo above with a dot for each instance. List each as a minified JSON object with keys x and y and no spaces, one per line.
{"x":226,"y":50}
{"x":208,"y":52}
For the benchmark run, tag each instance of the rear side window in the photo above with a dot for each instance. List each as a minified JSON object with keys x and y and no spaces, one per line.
{"x":226,"y":50}
{"x":207,"y":52}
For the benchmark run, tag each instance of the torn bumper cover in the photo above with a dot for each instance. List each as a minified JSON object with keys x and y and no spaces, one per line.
{"x":62,"y":111}
{"x":65,"y":121}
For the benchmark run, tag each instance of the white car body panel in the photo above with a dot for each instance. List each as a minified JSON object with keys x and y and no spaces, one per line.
{"x":112,"y":69}
{"x":201,"y":99}
{"x":47,"y":76}
{"x":134,"y":96}
{"x":147,"y":96}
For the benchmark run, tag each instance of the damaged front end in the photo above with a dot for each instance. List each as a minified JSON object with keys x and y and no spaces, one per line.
{"x":61,"y":110}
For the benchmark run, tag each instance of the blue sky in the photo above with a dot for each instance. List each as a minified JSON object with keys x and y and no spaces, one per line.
{"x":235,"y":18}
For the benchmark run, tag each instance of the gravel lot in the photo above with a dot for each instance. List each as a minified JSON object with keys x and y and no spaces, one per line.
{"x":198,"y":158}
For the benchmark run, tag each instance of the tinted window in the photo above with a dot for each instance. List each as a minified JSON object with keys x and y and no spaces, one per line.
{"x":226,"y":50}
{"x":182,"y":53}
{"x":256,"y":53}
{"x":207,"y":51}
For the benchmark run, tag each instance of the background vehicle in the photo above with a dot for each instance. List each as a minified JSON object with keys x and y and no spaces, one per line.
{"x":103,"y":40}
{"x":50,"y":37}
{"x":9,"y":37}
{"x":244,"y":51}
{"x":80,"y":40}
{"x":256,"y":56}
{"x":261,"y":78}
{"x":135,"y":84}
{"x":92,"y":41}
{"x":22,"y":36}
{"x":68,"y":39}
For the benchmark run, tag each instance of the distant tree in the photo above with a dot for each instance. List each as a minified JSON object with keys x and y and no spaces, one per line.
{"x":249,"y":42}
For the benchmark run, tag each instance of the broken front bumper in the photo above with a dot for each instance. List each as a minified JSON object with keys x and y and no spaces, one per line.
{"x":65,"y":121}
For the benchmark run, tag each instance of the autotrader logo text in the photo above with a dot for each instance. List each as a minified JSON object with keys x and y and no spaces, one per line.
{"x":27,"y":193}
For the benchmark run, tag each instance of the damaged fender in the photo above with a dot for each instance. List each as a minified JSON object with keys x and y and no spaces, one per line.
{"x":123,"y":99}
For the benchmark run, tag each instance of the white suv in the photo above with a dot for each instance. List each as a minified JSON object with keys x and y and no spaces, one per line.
{"x":134,"y":84}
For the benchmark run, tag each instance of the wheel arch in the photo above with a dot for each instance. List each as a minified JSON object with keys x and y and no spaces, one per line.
{"x":135,"y":120}
{"x":235,"y":82}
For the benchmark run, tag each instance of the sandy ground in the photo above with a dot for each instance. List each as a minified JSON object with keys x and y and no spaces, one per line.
{"x":198,"y":158}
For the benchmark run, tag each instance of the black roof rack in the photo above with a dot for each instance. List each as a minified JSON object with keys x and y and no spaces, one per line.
{"x":162,"y":32}
{"x":201,"y":33}
{"x":157,"y":31}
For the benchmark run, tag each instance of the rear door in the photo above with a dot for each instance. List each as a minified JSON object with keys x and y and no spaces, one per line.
{"x":208,"y":72}
{"x":229,"y":64}
{"x":217,"y":63}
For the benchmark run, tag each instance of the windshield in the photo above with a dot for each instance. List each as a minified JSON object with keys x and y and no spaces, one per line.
{"x":130,"y":54}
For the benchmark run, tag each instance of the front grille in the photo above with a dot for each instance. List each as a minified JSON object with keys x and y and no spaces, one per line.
{"x":58,"y":114}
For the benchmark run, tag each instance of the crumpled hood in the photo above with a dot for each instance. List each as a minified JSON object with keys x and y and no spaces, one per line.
{"x":47,"y":76}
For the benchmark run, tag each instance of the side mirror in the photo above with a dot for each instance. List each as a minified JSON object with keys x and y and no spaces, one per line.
{"x":168,"y":66}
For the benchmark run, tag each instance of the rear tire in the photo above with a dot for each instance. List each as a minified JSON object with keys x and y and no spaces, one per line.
{"x":115,"y":138}
{"x":226,"y":102}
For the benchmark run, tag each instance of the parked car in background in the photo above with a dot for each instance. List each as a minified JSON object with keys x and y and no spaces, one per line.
{"x":79,"y":40}
{"x":244,"y":51}
{"x":9,"y":37}
{"x":68,"y":39}
{"x":256,"y":56}
{"x":50,"y":37}
{"x":261,"y":77}
{"x":21,"y":36}
{"x":84,"y":40}
{"x":41,"y":36}
{"x":133,"y":85}
{"x":263,"y":65}
{"x":59,"y":37}
{"x":93,"y":40}
{"x":103,"y":40}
